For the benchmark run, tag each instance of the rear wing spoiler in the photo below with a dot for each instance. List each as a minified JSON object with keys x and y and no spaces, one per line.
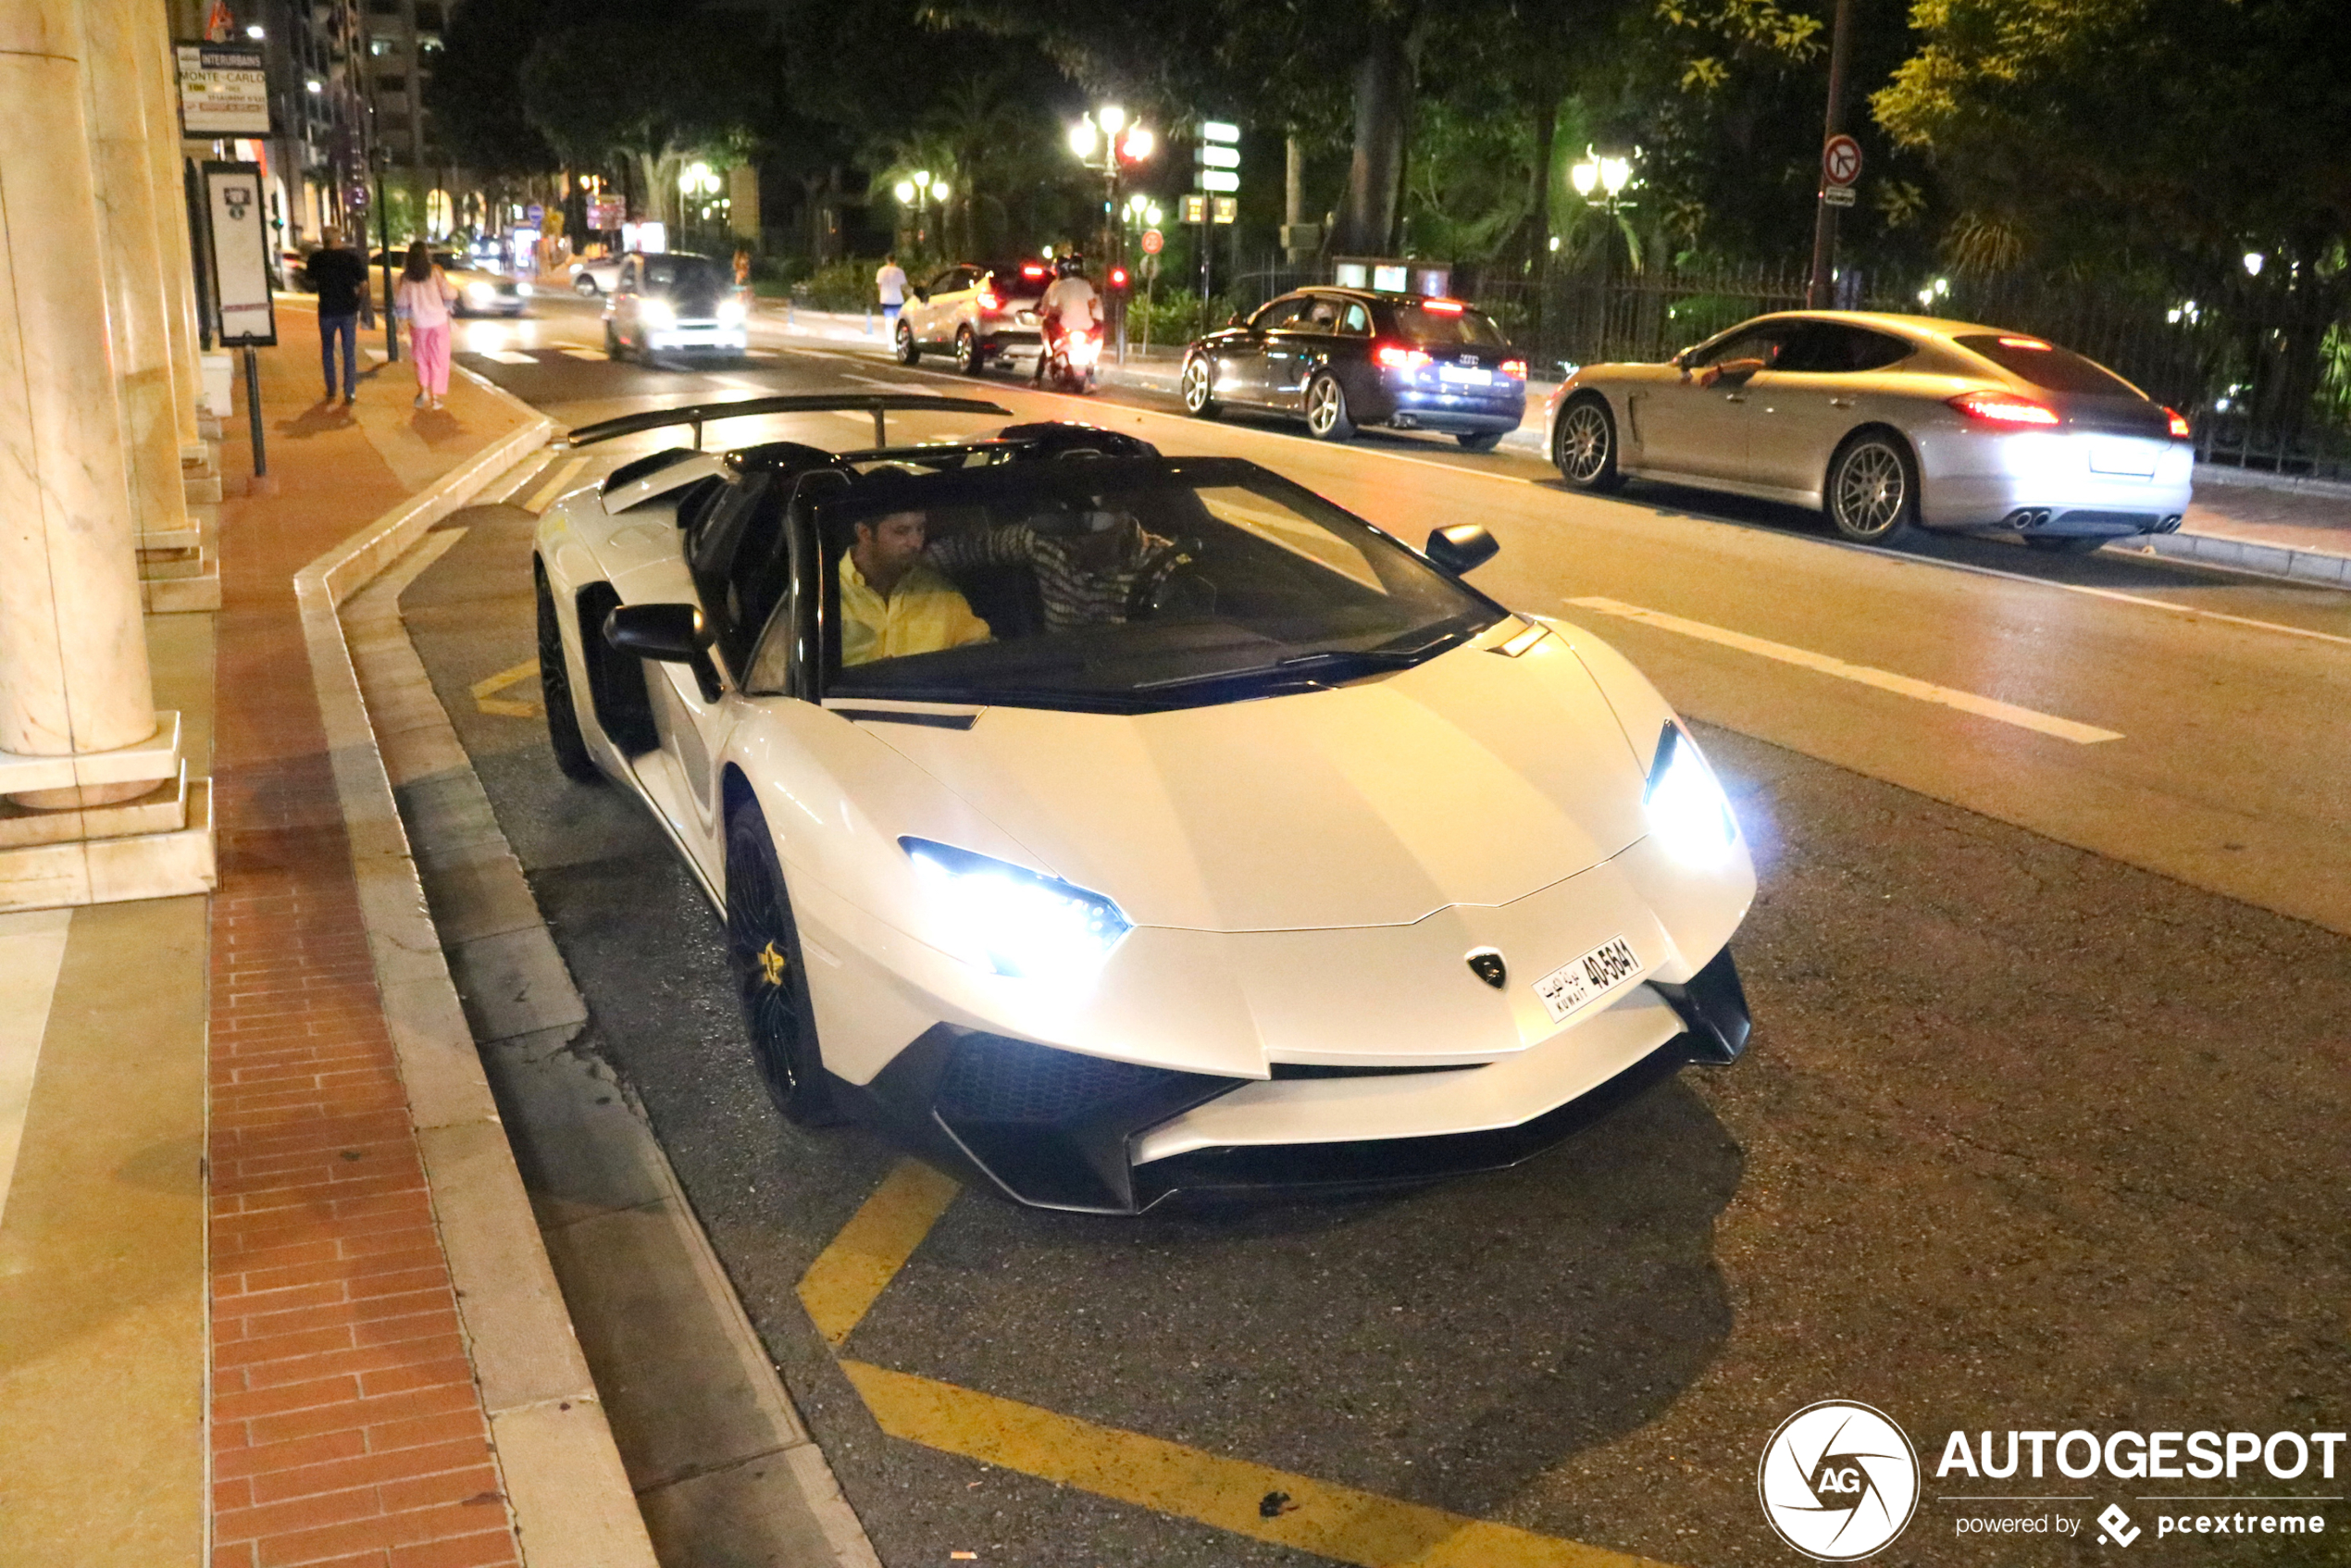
{"x":700,"y":414}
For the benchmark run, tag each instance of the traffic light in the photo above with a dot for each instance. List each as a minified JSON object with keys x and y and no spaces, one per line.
{"x":1118,"y":279}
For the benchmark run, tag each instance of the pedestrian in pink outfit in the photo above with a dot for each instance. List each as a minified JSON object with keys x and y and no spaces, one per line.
{"x":423,"y":300}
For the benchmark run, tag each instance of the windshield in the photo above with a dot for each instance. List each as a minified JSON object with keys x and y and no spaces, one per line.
{"x":694,"y":273}
{"x":1426,"y":324}
{"x":2045,"y":365}
{"x":1119,"y":584}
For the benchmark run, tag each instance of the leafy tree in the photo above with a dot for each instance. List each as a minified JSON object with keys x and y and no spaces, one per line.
{"x":657,"y":89}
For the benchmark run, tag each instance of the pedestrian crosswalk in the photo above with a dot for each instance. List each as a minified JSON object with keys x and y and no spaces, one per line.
{"x":547,"y":355}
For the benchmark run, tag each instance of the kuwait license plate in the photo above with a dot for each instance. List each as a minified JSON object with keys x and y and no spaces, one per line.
{"x":1570,"y":986}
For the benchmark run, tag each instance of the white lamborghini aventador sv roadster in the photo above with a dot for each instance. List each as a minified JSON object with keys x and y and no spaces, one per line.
{"x":1108,"y":825}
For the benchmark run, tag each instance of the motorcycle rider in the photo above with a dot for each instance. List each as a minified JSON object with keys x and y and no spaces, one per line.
{"x":1070,"y":304}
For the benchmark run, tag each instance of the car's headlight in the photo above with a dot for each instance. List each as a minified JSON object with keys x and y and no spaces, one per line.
{"x":523,"y":290}
{"x":656,"y":313}
{"x":730,"y":313}
{"x":479,"y":293}
{"x":1687,"y":811}
{"x":1016,"y":922}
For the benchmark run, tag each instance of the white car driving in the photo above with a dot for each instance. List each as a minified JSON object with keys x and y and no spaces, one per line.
{"x":1165,"y":827}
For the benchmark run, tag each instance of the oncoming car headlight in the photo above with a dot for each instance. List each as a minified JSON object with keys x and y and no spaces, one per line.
{"x":1016,"y":922}
{"x":1687,"y":811}
{"x":656,"y":313}
{"x":522,"y":290}
{"x":730,"y":313}
{"x":479,"y":293}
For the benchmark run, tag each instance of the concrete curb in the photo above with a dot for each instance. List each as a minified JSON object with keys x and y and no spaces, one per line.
{"x":567,"y":1490}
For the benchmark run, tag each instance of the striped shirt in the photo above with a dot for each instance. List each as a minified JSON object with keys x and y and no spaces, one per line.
{"x":1076,"y":594}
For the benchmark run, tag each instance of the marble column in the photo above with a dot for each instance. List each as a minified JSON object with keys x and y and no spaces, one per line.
{"x":131,"y":237}
{"x":73,"y":653}
{"x":150,"y":32}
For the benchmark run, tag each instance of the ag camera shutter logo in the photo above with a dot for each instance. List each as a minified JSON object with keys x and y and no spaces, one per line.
{"x":1838,"y":1481}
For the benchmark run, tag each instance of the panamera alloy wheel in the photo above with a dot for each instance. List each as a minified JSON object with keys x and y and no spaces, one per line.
{"x":1199,"y":388}
{"x":1587,"y":446}
{"x":1872,"y":490}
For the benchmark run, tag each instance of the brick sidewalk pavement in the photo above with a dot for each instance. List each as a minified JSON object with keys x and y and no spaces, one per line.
{"x":347,"y":1425}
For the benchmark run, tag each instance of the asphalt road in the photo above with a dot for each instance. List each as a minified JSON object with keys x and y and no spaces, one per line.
{"x":2046,"y":1122}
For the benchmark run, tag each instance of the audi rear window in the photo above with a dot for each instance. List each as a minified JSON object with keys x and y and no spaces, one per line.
{"x":1464,"y":326}
{"x":2045,"y":365}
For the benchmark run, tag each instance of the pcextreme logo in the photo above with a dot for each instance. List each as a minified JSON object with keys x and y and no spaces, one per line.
{"x":1838,"y":1481}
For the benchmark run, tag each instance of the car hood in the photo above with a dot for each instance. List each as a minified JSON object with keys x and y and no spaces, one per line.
{"x":1476,"y":779}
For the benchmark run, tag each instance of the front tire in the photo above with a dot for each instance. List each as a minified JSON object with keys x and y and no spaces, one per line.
{"x":771,"y":977}
{"x":1479,"y":440}
{"x":909,"y":352}
{"x":1584,"y":448}
{"x":1326,"y":409}
{"x":1197,"y":386}
{"x":564,"y":735}
{"x":968,"y":358}
{"x":1872,"y":491}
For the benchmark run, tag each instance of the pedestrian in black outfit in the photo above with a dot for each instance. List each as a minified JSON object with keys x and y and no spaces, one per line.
{"x":339,"y":277}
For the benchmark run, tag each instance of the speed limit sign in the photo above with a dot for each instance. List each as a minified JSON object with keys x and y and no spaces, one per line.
{"x":1152,"y":241}
{"x":1841,"y":160}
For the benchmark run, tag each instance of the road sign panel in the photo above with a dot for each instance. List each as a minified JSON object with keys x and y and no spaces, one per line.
{"x":1195,"y":209}
{"x":1219,"y":179}
{"x":1152,"y":241}
{"x":1841,"y":160}
{"x":1228,"y":208}
{"x":1837,"y":195}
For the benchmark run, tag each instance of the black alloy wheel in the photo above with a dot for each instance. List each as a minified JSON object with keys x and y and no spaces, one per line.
{"x":1585,"y":448}
{"x":555,"y":692}
{"x":1326,"y":409}
{"x":908,"y":351}
{"x":1199,"y":388}
{"x":771,"y":978}
{"x":1873,"y":488}
{"x":1479,"y":440}
{"x":2064,"y":545}
{"x":968,"y":358}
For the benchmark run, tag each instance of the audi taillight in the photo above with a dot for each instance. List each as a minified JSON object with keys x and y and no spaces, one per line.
{"x":1396,"y":356}
{"x":1514,"y":369}
{"x":2004,"y":408}
{"x":2180,"y":430}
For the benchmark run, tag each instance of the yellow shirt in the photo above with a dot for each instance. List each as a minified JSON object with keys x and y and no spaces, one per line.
{"x":924,"y":614}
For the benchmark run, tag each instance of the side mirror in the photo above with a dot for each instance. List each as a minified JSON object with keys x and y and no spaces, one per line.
{"x":1233,"y":319}
{"x":672,"y":633}
{"x":1464,"y":547}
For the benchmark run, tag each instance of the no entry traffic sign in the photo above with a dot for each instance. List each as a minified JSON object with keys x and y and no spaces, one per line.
{"x":1841,"y":160}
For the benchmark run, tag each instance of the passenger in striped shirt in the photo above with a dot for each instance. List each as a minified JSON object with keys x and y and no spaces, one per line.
{"x":1086,"y":564}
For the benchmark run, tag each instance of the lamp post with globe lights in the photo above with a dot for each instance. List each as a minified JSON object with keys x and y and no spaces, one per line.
{"x":916,"y":194}
{"x":1107,"y":141}
{"x":694,"y":179}
{"x":1601,"y":180}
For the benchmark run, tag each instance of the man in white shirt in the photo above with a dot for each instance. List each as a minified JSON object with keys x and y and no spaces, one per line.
{"x":890,"y":282}
{"x":1069,"y":305}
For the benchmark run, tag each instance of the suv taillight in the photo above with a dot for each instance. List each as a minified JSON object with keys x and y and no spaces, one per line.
{"x":988,"y":300}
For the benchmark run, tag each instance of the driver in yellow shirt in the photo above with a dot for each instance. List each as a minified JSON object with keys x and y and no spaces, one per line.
{"x":892,"y":602}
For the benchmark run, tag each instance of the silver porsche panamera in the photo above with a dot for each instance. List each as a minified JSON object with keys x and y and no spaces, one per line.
{"x":1887,"y":422}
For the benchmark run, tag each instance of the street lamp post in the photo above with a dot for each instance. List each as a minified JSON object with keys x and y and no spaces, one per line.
{"x":1601,"y":180}
{"x":917,"y":194}
{"x":695,"y":180}
{"x":1106,"y":140}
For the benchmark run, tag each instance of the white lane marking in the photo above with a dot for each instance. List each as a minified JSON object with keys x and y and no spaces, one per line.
{"x":594,"y":353}
{"x":32,"y":948}
{"x":546,"y":493}
{"x":1872,"y":550}
{"x":1884,"y":680}
{"x":508,"y":355}
{"x":759,"y":354}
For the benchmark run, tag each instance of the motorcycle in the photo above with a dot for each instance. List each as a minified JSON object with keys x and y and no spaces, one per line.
{"x":1071,"y":360}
